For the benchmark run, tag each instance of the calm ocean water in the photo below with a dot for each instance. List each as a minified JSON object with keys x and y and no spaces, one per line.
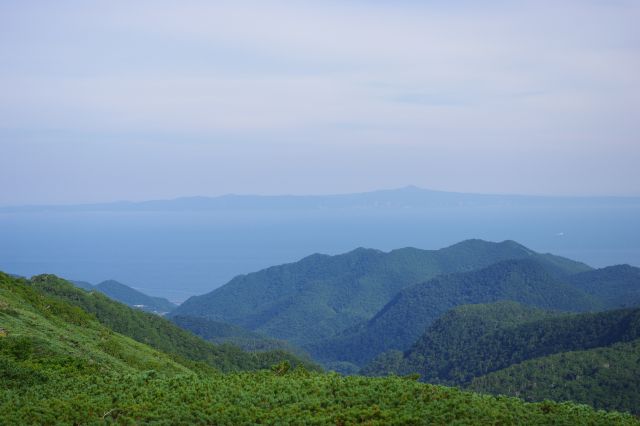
{"x":178,"y":254}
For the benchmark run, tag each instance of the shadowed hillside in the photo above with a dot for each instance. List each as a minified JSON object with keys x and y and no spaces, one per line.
{"x":321,"y":296}
{"x":413,"y":309}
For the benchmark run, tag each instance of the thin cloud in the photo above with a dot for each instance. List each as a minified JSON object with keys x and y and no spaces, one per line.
{"x":467,"y":82}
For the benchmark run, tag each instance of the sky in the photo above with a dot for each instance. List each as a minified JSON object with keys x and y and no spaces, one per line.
{"x":135,"y":100}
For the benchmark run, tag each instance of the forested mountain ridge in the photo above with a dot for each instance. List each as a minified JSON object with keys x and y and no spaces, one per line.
{"x":604,"y":377}
{"x":320,"y":296}
{"x":59,"y":364}
{"x":454,"y":332}
{"x":473,"y":340}
{"x":617,"y":286}
{"x":412,"y":310}
{"x":509,"y":348}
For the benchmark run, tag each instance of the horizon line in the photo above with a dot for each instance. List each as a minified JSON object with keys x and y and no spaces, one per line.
{"x":308,"y":195}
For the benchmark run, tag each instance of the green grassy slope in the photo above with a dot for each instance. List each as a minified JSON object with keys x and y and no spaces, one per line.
{"x":43,"y":338}
{"x":321,"y":295}
{"x":413,"y":309}
{"x":156,"y":331}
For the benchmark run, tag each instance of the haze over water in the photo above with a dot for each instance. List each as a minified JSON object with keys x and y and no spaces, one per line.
{"x":179,"y":253}
{"x":151,"y":100}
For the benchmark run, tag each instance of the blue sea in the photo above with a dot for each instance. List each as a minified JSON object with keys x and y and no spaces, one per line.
{"x":176,"y":254}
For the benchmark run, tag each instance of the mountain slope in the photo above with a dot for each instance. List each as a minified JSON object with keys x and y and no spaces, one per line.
{"x":129,"y":296}
{"x":413,"y":309}
{"x":134,"y":298}
{"x":220,"y":333}
{"x":158,"y":332}
{"x":322,"y":295}
{"x":44,"y":338}
{"x":605,"y":378}
{"x":60,"y":365}
{"x":450,"y":336}
{"x":507,"y":348}
{"x":617,"y":286}
{"x":82,"y":284}
{"x":472,"y":341}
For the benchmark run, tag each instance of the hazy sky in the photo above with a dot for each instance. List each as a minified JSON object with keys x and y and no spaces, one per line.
{"x":109,"y":100}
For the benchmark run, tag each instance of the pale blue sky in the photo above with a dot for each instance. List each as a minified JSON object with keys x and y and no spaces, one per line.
{"x":110,"y":100}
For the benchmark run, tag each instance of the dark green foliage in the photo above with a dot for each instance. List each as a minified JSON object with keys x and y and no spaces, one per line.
{"x":320,"y":295}
{"x":471,"y":341}
{"x":406,"y":317}
{"x":389,"y":362}
{"x":267,"y":398}
{"x":156,"y":331}
{"x":489,"y":345}
{"x":342,"y":367}
{"x":220,"y":333}
{"x":605,"y":378}
{"x":281,"y":369}
{"x":450,"y":337}
{"x":617,"y":286}
{"x":456,"y":332}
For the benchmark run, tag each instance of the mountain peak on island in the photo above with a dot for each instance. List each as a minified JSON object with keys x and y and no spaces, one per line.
{"x":410,"y":196}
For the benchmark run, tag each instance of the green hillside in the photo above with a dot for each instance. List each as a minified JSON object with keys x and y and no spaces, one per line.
{"x":617,"y":286}
{"x":506,"y":348}
{"x":156,"y":331}
{"x":605,"y":378}
{"x":60,"y":365}
{"x":413,"y":309}
{"x":321,"y":296}
{"x":474,"y":340}
{"x":220,"y":333}
{"x":454,"y":333}
{"x":44,"y":337}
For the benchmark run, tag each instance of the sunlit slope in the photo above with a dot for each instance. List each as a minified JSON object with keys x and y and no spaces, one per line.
{"x":156,"y":331}
{"x":44,"y":338}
